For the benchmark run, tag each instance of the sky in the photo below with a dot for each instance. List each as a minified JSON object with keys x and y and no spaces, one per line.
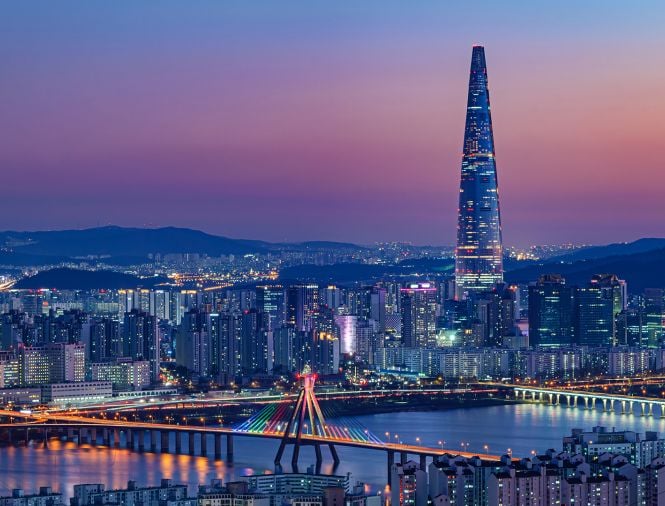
{"x":331,"y":120}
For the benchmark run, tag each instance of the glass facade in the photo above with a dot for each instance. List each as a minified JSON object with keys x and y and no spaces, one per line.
{"x":479,"y":253}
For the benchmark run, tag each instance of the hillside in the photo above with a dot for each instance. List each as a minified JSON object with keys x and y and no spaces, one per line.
{"x":640,"y":270}
{"x":616,"y":249}
{"x":74,"y":279}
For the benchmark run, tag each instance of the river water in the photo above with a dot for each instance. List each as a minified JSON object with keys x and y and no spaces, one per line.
{"x":521,"y":427}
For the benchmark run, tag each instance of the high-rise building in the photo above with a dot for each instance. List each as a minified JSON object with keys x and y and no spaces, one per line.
{"x":654,"y":308}
{"x":408,"y":485}
{"x":418,"y":307}
{"x":551,"y":312}
{"x":102,"y":338}
{"x":51,"y":363}
{"x":283,"y":339}
{"x":479,"y":253}
{"x":302,"y":306}
{"x":253,"y":342}
{"x":615,"y":289}
{"x":270,"y":301}
{"x":140,"y":339}
{"x":593,"y":316}
{"x":193,"y":343}
{"x":230,"y":331}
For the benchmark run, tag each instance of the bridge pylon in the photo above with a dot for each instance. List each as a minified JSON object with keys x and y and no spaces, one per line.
{"x":307,"y":418}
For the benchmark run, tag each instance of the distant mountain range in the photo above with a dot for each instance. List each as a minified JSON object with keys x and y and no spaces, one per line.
{"x":641,"y":263}
{"x":616,"y":249}
{"x":641,"y":270}
{"x":129,"y":245}
{"x":127,"y":242}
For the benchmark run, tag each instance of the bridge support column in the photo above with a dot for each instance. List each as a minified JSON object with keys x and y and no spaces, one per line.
{"x":218,"y":446}
{"x":229,"y":448}
{"x":129,"y":439}
{"x":650,"y":409}
{"x":575,"y":399}
{"x":204,"y":444}
{"x":106,"y":437}
{"x":333,"y":454}
{"x":586,"y":403}
{"x":45,"y":433}
{"x":319,"y":457}
{"x":140,"y":434}
{"x":643,"y":407}
{"x":551,"y":398}
{"x":294,"y":457}
{"x":403,"y":457}
{"x":623,"y":407}
{"x":423,"y":462}
{"x":82,"y":435}
{"x":391,"y":461}
{"x":558,"y":399}
{"x":154,"y":435}
{"x":93,"y":437}
{"x":612,"y":405}
{"x":164,"y":443}
{"x":178,"y":443}
{"x":191,"y":443}
{"x":604,"y":404}
{"x":569,"y":399}
{"x":630,"y":403}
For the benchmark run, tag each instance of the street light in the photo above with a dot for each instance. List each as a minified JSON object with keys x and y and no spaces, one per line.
{"x":418,"y":441}
{"x":486,"y":448}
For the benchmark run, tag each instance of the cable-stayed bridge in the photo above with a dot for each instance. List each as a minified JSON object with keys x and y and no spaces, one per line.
{"x":296,"y":424}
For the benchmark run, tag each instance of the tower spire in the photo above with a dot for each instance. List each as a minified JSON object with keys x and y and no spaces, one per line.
{"x":479,"y":252}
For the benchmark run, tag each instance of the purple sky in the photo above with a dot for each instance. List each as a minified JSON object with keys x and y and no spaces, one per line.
{"x":330,"y":120}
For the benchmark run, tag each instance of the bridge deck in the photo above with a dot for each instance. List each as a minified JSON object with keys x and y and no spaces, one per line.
{"x":60,"y":421}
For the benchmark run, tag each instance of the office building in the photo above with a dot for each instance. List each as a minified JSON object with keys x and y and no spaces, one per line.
{"x":551,"y":312}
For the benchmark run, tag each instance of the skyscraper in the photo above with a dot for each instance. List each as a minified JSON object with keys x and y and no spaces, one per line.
{"x":479,"y":253}
{"x":418,"y":307}
{"x":551,"y":312}
{"x":140,"y":339}
{"x":593,"y":316}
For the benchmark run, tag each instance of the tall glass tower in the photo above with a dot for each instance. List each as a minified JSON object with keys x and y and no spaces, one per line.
{"x":479,"y":253}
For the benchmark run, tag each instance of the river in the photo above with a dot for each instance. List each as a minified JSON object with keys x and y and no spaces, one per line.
{"x":522,"y":428}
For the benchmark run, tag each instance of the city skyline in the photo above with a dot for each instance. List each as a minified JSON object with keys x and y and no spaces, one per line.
{"x":251,"y":250}
{"x":345,"y":119}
